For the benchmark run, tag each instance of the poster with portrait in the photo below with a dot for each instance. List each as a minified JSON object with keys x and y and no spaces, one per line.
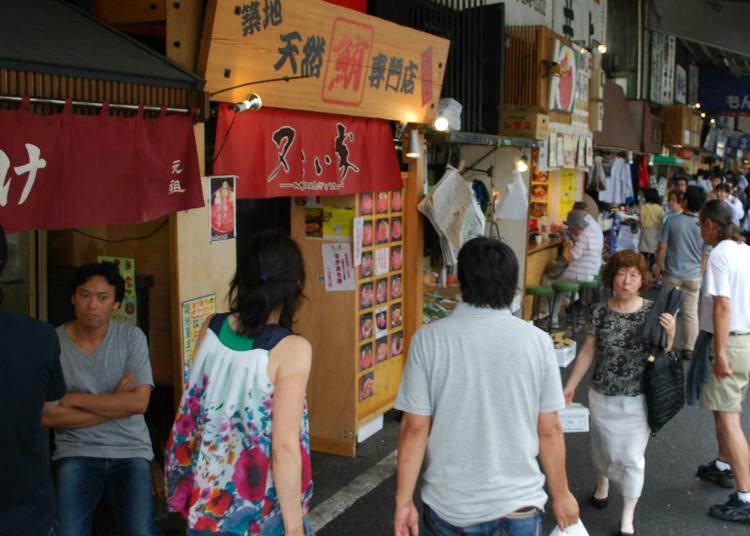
{"x":222,"y":211}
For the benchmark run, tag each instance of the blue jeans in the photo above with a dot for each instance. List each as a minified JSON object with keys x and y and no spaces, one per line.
{"x":81,"y":482}
{"x":274,"y":526}
{"x":516,"y":524}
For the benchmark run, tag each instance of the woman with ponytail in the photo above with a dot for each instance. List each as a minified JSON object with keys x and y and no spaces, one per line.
{"x":238,"y":457}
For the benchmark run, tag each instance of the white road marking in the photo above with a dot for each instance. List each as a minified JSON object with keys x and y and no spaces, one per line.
{"x":339,"y":502}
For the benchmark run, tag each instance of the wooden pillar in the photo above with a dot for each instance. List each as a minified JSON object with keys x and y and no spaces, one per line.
{"x":414,"y":244}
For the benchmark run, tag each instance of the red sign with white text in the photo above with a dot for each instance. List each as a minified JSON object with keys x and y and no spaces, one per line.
{"x":278,"y":153}
{"x":67,"y":170}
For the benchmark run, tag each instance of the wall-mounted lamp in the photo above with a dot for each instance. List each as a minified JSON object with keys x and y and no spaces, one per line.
{"x":441,"y":123}
{"x":252,"y":102}
{"x":703,"y":115}
{"x":553,"y":68}
{"x":415,"y":148}
{"x":522,"y":164}
{"x":697,"y":105}
{"x":602,"y":48}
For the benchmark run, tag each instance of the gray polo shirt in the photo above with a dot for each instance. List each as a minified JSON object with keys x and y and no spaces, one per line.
{"x":484,"y":376}
{"x":123,"y":349}
{"x":682,"y":235}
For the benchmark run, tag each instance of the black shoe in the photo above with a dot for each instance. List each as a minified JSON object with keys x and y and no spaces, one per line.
{"x":732,"y":510}
{"x":710,"y":472}
{"x":599,"y":504}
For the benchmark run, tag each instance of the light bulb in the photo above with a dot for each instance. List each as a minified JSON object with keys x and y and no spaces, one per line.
{"x":703,"y":115}
{"x":697,"y":105}
{"x":602,"y":48}
{"x":441,"y":124}
{"x":521,"y":165}
{"x":252,"y":102}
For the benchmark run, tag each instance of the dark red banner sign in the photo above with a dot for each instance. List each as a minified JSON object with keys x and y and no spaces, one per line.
{"x":279,"y":153}
{"x":67,"y":170}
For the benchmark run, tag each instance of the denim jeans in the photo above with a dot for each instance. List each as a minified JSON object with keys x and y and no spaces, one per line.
{"x":516,"y":524}
{"x":81,"y":482}
{"x":274,"y":526}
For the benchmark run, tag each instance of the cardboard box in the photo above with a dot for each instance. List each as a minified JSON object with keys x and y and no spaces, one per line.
{"x":525,"y":122}
{"x":565,"y":355}
{"x":575,"y":418}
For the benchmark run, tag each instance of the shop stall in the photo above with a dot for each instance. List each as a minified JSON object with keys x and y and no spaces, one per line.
{"x":332,"y":80}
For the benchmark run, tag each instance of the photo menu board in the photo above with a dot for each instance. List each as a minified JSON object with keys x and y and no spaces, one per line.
{"x":379,"y":280}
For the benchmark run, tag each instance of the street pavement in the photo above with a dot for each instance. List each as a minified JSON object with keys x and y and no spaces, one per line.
{"x":674,"y":501}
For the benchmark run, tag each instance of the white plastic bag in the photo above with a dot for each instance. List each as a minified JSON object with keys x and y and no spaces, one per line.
{"x":515,"y":203}
{"x":574,"y":530}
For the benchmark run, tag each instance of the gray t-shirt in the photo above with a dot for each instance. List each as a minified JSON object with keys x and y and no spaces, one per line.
{"x":682,"y":234}
{"x":484,"y":376}
{"x":123,"y":349}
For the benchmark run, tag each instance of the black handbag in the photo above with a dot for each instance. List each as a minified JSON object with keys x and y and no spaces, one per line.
{"x":665,"y":388}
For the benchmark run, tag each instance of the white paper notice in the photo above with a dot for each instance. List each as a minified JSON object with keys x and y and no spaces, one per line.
{"x":381,"y":261}
{"x":338,"y":267}
{"x":359,"y":224}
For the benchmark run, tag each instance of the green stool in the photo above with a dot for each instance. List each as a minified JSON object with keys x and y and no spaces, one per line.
{"x":592,"y":288}
{"x":566,"y":287}
{"x":540,"y":291}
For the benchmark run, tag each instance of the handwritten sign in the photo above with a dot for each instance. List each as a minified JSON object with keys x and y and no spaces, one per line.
{"x":338,"y":267}
{"x":194,"y":313}
{"x":353,"y":63}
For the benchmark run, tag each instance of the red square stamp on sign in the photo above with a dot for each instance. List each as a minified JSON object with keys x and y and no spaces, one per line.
{"x":348,"y":61}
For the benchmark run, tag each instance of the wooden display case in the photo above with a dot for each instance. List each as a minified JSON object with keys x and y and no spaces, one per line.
{"x":358,"y":336}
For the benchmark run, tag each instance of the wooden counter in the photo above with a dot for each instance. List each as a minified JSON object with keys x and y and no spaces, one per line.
{"x":538,"y":258}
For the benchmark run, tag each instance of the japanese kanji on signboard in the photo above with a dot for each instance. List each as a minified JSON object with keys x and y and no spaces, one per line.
{"x":352,"y":63}
{"x":305,"y":154}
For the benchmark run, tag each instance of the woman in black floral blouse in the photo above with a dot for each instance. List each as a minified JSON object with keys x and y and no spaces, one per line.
{"x":613,"y":344}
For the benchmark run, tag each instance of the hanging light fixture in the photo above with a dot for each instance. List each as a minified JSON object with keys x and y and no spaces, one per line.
{"x":252,"y":102}
{"x":415,"y":148}
{"x":522,"y":164}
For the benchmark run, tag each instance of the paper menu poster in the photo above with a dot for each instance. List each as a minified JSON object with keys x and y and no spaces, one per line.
{"x":338,"y":267}
{"x":357,"y":230}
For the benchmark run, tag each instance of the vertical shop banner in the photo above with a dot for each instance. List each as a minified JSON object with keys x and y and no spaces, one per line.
{"x":223,"y":213}
{"x":563,"y":87}
{"x":338,"y":267}
{"x":194,"y":313}
{"x":305,"y":154}
{"x":693,"y":77}
{"x":128,"y":311}
{"x":580,"y":20}
{"x":663,"y":50}
{"x":342,"y":61}
{"x":680,"y":85}
{"x":66,"y":170}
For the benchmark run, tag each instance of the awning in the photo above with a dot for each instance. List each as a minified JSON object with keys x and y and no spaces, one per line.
{"x":618,"y":131}
{"x":67,"y":170}
{"x":278,"y":153}
{"x":54,"y":37}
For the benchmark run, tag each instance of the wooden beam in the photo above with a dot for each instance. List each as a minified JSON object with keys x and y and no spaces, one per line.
{"x":131,"y":11}
{"x":414,"y":246}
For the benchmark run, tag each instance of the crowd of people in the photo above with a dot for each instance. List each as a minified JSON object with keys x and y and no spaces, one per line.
{"x":480,"y":393}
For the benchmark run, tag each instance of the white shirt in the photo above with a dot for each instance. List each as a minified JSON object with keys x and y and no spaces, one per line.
{"x":586,"y":256}
{"x":737,"y":209}
{"x":728,"y":275}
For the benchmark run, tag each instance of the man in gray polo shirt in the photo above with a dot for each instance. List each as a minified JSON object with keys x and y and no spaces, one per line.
{"x":102,"y":442}
{"x":480,"y":395}
{"x":680,"y":261}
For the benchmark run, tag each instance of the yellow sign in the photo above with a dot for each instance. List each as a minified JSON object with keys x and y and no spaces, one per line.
{"x":565,"y":205}
{"x":337,"y":222}
{"x":353,"y":64}
{"x":568,"y":181}
{"x":194,"y":314}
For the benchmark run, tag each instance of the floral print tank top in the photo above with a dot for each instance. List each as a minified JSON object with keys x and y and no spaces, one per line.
{"x":218,"y":458}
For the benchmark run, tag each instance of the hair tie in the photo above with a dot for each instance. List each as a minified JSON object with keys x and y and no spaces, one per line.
{"x":263,"y":278}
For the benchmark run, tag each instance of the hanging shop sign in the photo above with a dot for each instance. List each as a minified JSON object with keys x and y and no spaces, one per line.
{"x":67,"y":170}
{"x":563,"y":87}
{"x":693,"y":77}
{"x":527,"y":12}
{"x":279,"y":153}
{"x":581,"y":20}
{"x":353,"y":63}
{"x":724,"y":94}
{"x":663,"y":50}
{"x":680,"y":85}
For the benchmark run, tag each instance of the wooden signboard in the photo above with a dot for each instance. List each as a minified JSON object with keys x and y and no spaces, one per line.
{"x":354,"y":64}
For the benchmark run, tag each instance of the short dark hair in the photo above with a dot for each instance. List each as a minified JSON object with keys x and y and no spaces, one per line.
{"x":651,"y":195}
{"x":488,"y":273}
{"x":681,"y":177}
{"x":580,"y":205}
{"x":270,"y":274}
{"x":722,"y":215}
{"x":677,"y":194}
{"x":628,"y":258}
{"x":107,"y":270}
{"x":694,"y":198}
{"x":724,"y":187}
